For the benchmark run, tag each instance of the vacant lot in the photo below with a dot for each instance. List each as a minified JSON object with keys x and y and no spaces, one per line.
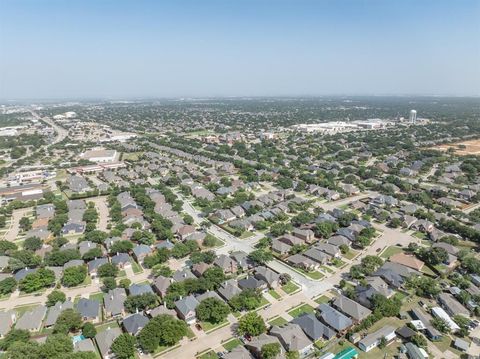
{"x":471,"y":147}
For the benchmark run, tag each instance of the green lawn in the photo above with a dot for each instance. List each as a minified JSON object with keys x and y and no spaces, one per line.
{"x":322,"y":299}
{"x":419,"y":235}
{"x":209,"y":355}
{"x":290,"y":287}
{"x":231,"y":344}
{"x":278,"y":321}
{"x":274,"y":294}
{"x":190,"y":334}
{"x":23,"y":309}
{"x":97,"y":296}
{"x":209,"y":327}
{"x":352,"y":253}
{"x":304,"y":308}
{"x":263,"y":302}
{"x":103,"y":327}
{"x":313,"y":274}
{"x":136,"y":267}
{"x":390,"y":251}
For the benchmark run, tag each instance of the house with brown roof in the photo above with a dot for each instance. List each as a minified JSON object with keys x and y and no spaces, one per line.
{"x":407,"y":260}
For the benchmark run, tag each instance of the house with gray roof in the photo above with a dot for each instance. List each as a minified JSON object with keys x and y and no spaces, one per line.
{"x":32,"y":319}
{"x":22,"y":273}
{"x":89,"y":309}
{"x":280,"y":247}
{"x":73,"y":263}
{"x":7,"y":319}
{"x":85,"y":246}
{"x":333,"y":318}
{"x":121,"y":260}
{"x":45,"y":211}
{"x":139,"y":289}
{"x":55,"y":311}
{"x":227,"y":264}
{"x":229,"y":289}
{"x":134,"y":323}
{"x":293,"y":338}
{"x":94,"y":264}
{"x":329,"y":249}
{"x":267,"y":275}
{"x":317,"y":255}
{"x":313,"y":327}
{"x":105,"y":340}
{"x":256,"y":343}
{"x":452,"y":306}
{"x":114,"y":302}
{"x":185,"y":308}
{"x":181,"y":275}
{"x":238,"y":353}
{"x":351,"y":308}
{"x":140,"y":251}
{"x":85,"y":345}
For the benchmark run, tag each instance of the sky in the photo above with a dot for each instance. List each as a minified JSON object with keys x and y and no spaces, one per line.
{"x":199,"y":48}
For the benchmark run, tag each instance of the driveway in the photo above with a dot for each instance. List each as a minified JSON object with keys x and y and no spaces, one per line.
{"x":103,"y":212}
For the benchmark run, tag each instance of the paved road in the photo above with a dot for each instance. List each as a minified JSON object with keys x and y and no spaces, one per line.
{"x":12,"y":232}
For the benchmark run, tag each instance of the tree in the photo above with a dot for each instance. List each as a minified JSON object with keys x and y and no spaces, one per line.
{"x":212,"y":278}
{"x":54,"y":297}
{"x":96,"y":236}
{"x":209,"y":240}
{"x":107,"y":270}
{"x":248,"y":299}
{"x":74,"y":276}
{"x":109,"y":283}
{"x":32,"y":244}
{"x":419,"y":340}
{"x":434,"y":255}
{"x":14,"y":335}
{"x":59,"y":258}
{"x":440,"y":324}
{"x":292,"y":355}
{"x":7,"y":285}
{"x":37,"y":280}
{"x":92,"y":254}
{"x":6,"y":246}
{"x":261,"y":256}
{"x":270,"y":351}
{"x":25,"y":224}
{"x":124,"y":346}
{"x":125,"y":283}
{"x":24,"y":350}
{"x":140,"y":302}
{"x":56,"y":346}
{"x":121,"y":247}
{"x":162,"y":330}
{"x":68,"y":320}
{"x":89,"y":330}
{"x":251,"y":324}
{"x":212,"y":310}
{"x":325,"y":229}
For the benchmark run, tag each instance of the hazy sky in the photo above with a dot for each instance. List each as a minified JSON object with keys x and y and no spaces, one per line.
{"x":136,"y":48}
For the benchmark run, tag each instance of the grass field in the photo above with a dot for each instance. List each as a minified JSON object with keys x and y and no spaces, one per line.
{"x":274,"y":294}
{"x":290,"y":287}
{"x":390,"y":251}
{"x":231,"y":344}
{"x":278,"y":321}
{"x":322,"y":299}
{"x":352,"y":253}
{"x":304,"y":308}
{"x":209,"y":355}
{"x":209,"y":327}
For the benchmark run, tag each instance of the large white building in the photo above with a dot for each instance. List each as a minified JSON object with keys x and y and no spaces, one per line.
{"x":413,"y":116}
{"x":100,"y":155}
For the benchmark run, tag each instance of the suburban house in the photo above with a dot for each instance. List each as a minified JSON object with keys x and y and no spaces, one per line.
{"x":185,"y":309}
{"x":351,"y":308}
{"x":333,"y":318}
{"x":372,"y":340}
{"x":89,"y":310}
{"x":293,"y":338}
{"x":313,"y":327}
{"x":105,"y":340}
{"x":113,"y":302}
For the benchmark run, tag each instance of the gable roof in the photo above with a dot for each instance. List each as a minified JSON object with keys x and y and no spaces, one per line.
{"x":313,"y":328}
{"x":334,"y":318}
{"x":351,"y":308}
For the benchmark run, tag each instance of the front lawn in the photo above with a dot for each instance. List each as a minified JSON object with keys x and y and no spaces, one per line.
{"x":209,"y":327}
{"x":304,"y":308}
{"x":231,"y":344}
{"x":390,"y":251}
{"x":290,"y":287}
{"x":274,"y":294}
{"x":209,"y":355}
{"x":322,"y":299}
{"x":278,"y":321}
{"x":136,"y":267}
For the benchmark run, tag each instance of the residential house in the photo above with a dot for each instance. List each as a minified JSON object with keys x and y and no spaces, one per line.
{"x":300,"y":261}
{"x":372,"y":340}
{"x":89,"y":309}
{"x":407,"y":260}
{"x":229,"y":289}
{"x":280,"y":247}
{"x":293,"y":338}
{"x":32,"y":319}
{"x":55,"y":311}
{"x":185,"y":308}
{"x":351,"y":308}
{"x":227,"y":264}
{"x":251,"y":282}
{"x":105,"y":340}
{"x":139,"y":289}
{"x":160,"y":285}
{"x":7,"y":319}
{"x":256,"y":343}
{"x":134,"y":323}
{"x":329,"y":249}
{"x":452,"y":306}
{"x":333,"y":318}
{"x":94,"y":264}
{"x":268,"y":276}
{"x":140,"y":251}
{"x":114,"y":302}
{"x":305,"y":235}
{"x":313,"y":327}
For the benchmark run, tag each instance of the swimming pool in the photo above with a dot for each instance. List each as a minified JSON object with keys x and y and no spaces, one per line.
{"x":77,"y":338}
